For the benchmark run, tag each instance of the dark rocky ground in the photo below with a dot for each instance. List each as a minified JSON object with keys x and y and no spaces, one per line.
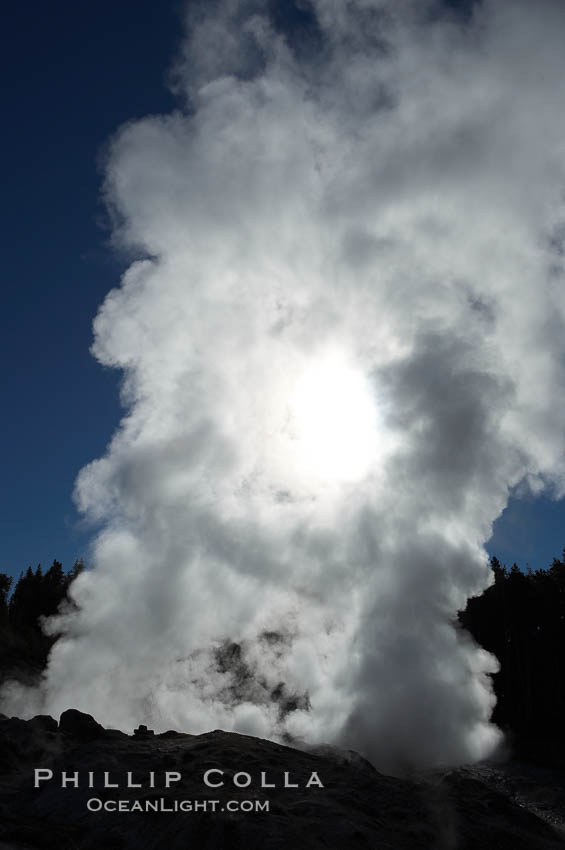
{"x":510,"y":806}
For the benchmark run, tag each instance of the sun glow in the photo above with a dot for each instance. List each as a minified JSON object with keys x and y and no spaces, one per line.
{"x":334,"y":421}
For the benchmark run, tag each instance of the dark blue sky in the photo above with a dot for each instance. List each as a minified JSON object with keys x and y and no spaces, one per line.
{"x":73,"y":72}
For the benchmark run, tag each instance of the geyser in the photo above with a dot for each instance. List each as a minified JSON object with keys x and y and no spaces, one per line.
{"x":342,"y":344}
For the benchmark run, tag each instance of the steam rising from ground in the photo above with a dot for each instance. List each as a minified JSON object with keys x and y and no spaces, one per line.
{"x":342,"y":345}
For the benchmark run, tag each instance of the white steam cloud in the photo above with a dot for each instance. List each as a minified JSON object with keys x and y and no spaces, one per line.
{"x":342,"y":344}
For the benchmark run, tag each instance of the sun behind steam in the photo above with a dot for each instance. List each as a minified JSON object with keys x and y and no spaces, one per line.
{"x":334,"y":421}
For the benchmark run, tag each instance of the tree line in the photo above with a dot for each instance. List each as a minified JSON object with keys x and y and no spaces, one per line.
{"x":520,"y":618}
{"x":24,"y":646}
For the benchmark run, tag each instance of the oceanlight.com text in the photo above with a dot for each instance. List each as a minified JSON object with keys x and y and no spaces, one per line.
{"x":95,"y":804}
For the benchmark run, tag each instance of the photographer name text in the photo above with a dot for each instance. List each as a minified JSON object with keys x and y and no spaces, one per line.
{"x":214,"y":777}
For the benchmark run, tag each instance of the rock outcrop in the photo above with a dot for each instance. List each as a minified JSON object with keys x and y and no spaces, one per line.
{"x":77,"y":785}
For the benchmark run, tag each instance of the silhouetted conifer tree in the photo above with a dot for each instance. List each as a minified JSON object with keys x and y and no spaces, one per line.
{"x":520,"y":618}
{"x":23,"y":643}
{"x":5,"y":585}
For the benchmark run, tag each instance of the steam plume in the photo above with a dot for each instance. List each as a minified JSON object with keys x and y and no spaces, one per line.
{"x":342,"y":344}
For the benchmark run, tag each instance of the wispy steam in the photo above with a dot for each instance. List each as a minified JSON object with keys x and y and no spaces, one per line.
{"x":342,"y":344}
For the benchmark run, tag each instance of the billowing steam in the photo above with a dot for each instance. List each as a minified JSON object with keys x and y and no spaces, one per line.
{"x":343,"y":342}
